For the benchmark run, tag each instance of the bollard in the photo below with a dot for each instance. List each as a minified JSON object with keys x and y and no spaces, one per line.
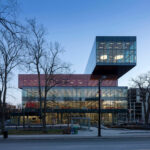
{"x":5,"y":134}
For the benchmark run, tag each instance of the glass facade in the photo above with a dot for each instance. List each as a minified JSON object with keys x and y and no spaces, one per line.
{"x":116,"y":52}
{"x":91,"y":61}
{"x":64,"y":118}
{"x":81,"y":102}
{"x":77,"y":97}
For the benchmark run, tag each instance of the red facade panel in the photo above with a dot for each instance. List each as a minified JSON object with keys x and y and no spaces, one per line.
{"x":31,"y":80}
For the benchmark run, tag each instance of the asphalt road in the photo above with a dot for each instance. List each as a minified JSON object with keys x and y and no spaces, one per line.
{"x":142,"y":143}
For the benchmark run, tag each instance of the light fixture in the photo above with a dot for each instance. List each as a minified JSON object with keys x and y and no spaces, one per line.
{"x":103,"y":57}
{"x":118,"y":57}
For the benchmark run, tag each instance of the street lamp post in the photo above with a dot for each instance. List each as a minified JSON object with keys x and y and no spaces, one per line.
{"x":99,"y":105}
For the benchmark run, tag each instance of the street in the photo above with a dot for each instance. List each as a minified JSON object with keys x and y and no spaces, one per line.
{"x":142,"y":143}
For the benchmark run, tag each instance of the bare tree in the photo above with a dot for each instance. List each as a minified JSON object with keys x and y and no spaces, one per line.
{"x":11,"y":52}
{"x":8,"y":13}
{"x":44,"y":60}
{"x":35,"y":45}
{"x":51,"y":66}
{"x":142,"y":82}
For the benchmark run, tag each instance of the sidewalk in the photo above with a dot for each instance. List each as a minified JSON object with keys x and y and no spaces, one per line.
{"x":85,"y":134}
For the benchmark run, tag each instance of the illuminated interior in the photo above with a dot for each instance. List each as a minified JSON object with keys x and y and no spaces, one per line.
{"x":103,"y":57}
{"x":118,"y":57}
{"x":116,"y":52}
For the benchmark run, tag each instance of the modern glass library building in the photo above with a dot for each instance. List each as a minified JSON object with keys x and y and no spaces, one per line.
{"x":111,"y":56}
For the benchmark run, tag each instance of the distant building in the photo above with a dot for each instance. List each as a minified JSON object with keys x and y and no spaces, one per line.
{"x":111,"y":56}
{"x":135,"y":106}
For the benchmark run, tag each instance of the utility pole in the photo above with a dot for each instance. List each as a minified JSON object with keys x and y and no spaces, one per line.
{"x":99,"y":105}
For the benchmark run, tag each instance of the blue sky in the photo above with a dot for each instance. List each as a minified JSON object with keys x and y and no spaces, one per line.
{"x":75,"y":23}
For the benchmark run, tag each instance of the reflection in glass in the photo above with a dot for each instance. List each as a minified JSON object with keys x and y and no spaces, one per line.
{"x":116,"y":52}
{"x":77,"y":97}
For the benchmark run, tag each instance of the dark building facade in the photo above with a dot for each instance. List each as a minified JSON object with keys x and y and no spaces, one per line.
{"x":135,"y":105}
{"x":76,"y":95}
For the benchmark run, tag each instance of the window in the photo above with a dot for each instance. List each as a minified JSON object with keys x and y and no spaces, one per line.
{"x":116,"y":52}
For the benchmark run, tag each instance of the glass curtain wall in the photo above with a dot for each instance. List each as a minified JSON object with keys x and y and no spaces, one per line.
{"x":77,"y":98}
{"x":116,"y":52}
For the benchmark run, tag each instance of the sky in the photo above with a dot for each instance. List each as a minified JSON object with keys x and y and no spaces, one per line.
{"x":75,"y":23}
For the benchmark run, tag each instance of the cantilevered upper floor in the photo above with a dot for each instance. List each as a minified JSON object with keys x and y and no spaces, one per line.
{"x":112,"y":56}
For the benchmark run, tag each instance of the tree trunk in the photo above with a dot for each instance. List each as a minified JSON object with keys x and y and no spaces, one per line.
{"x":23,"y":118}
{"x":4,"y":105}
{"x":146,"y":118}
{"x":147,"y":109}
{"x":0,"y":109}
{"x":44,"y":115}
{"x":3,"y":120}
{"x":40,"y":97}
{"x":145,"y":112}
{"x":45,"y":98}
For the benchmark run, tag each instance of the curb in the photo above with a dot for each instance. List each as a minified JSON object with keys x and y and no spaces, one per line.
{"x":68,"y":138}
